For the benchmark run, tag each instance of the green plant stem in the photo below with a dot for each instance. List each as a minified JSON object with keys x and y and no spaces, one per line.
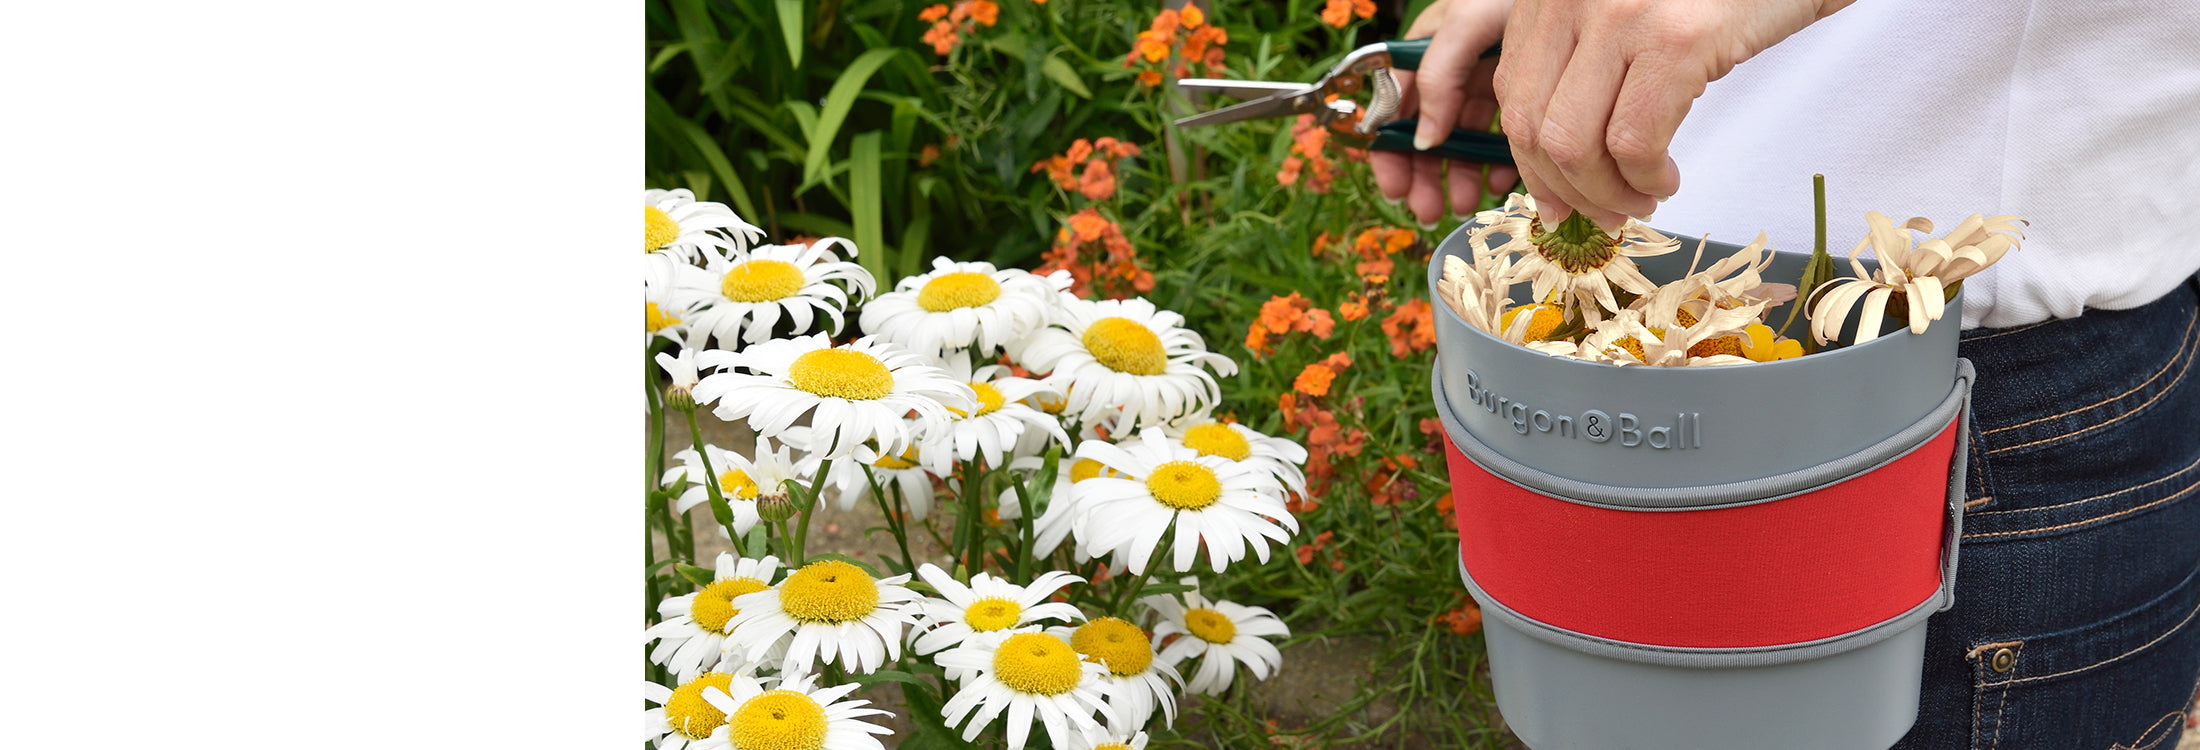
{"x":893,"y":522}
{"x":817,"y":495}
{"x":652,"y":506}
{"x":1138,"y":583}
{"x":1023,"y":547}
{"x":718,"y":507}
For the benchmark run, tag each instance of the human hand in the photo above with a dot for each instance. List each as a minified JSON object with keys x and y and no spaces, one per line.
{"x":1453,"y":76}
{"x":1593,"y":90}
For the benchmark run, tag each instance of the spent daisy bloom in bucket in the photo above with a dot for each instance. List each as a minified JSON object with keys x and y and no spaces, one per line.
{"x":745,"y":482}
{"x":961,"y":306}
{"x":749,"y":293}
{"x":677,"y":227}
{"x":861,"y":391}
{"x":1574,"y":265}
{"x":1158,"y":483}
{"x":1134,"y":681}
{"x":1128,"y":355}
{"x":793,"y":715}
{"x":1221,"y":635}
{"x":682,"y":718}
{"x":988,"y":605}
{"x":693,"y":632}
{"x":1912,"y":282}
{"x":825,"y":612}
{"x":1029,"y":675}
{"x":1476,"y":293}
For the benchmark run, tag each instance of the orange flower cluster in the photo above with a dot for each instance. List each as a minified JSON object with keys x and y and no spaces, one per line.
{"x":1464,"y":619}
{"x":1325,"y":440}
{"x":1338,"y":13}
{"x":1307,"y":159}
{"x":1322,"y":541}
{"x":1096,"y":179}
{"x":1355,"y":308}
{"x":949,"y":24}
{"x":1200,"y":42}
{"x":1410,"y":328}
{"x":1375,"y":246}
{"x":1098,"y":257}
{"x":1285,"y":315}
{"x":1315,"y":379}
{"x":1383,"y":487}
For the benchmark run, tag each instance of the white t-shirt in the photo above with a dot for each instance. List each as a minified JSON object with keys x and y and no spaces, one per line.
{"x":2081,"y":117}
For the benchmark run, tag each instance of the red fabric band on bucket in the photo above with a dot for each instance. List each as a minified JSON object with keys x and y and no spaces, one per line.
{"x":1816,"y":565}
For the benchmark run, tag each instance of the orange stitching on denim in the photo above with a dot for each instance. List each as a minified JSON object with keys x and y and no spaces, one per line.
{"x":2185,"y":350}
{"x":2118,"y":418}
{"x":2103,"y":496}
{"x":1969,"y":504}
{"x":2001,"y":705}
{"x":1985,"y":480}
{"x":2017,"y":329}
{"x":2172,"y":717}
{"x":2119,"y":657}
{"x":2095,"y":519}
{"x":1978,"y":699}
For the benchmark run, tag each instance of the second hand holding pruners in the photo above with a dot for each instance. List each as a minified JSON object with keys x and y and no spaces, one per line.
{"x":1377,"y":128}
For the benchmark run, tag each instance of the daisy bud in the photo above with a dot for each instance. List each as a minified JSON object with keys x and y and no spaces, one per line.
{"x":680,"y":397}
{"x":777,"y":507}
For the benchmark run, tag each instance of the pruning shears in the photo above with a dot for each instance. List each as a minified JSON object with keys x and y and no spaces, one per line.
{"x":1378,"y":127}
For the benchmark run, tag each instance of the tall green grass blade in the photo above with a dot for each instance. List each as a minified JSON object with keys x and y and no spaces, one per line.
{"x":864,"y":197}
{"x":837,"y":102}
{"x":1060,"y":72}
{"x":790,"y":26}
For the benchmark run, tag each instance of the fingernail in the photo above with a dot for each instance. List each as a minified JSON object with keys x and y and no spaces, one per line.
{"x":1613,"y":232}
{"x":1423,"y":140}
{"x":1664,"y":198}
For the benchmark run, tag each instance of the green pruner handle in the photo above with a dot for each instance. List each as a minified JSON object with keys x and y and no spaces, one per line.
{"x":1463,"y":145}
{"x":1406,"y":54}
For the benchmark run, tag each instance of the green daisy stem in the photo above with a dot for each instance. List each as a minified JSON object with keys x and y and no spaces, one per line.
{"x":1024,"y":543}
{"x":893,"y":520}
{"x":718,"y":507}
{"x":652,"y":506}
{"x":1138,"y":583}
{"x":802,"y":518}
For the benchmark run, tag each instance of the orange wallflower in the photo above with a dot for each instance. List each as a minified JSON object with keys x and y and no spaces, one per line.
{"x":930,"y":153}
{"x":1098,"y":257}
{"x":1307,"y":142}
{"x":1464,"y":620}
{"x":1286,"y":315}
{"x":1338,"y":13}
{"x":1088,"y":167}
{"x":1321,"y":242}
{"x":949,"y":24}
{"x":1354,"y":308}
{"x":1098,"y":181}
{"x":1200,"y":42}
{"x":1375,"y":271}
{"x":1410,"y":328}
{"x":1314,"y":380}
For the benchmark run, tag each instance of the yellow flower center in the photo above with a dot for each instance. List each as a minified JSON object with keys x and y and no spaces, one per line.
{"x":1052,"y":405}
{"x":689,"y":714}
{"x":1544,"y":319}
{"x":1111,"y":746}
{"x":908,"y":459}
{"x":761,"y":280}
{"x":989,"y":400}
{"x":779,"y":720}
{"x":841,"y":373}
{"x":735,"y":482}
{"x":1184,"y":485}
{"x":1115,"y":643}
{"x":713,"y":606}
{"x":992,"y":613}
{"x":1716,"y":346}
{"x":1037,"y":664}
{"x":1217,"y":439}
{"x":1631,"y":345}
{"x":828,"y":591}
{"x":957,"y":290}
{"x":1684,"y":317}
{"x":1126,"y":346}
{"x":658,"y":230}
{"x":659,"y":319}
{"x":1211,"y":626}
{"x":1084,"y":469}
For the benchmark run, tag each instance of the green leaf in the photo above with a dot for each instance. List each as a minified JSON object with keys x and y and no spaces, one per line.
{"x":837,"y":102}
{"x":864,"y":197}
{"x":790,"y":26}
{"x":695,"y":575}
{"x":1011,"y":44}
{"x":1060,"y":72}
{"x":679,"y":128}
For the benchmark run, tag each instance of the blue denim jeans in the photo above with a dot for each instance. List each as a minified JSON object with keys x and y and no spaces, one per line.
{"x":2079,"y":583}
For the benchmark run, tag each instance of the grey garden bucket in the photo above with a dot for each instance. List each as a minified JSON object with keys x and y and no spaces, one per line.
{"x":1706,"y":558}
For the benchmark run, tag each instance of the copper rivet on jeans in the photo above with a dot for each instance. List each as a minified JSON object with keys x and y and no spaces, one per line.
{"x":2004,"y":659}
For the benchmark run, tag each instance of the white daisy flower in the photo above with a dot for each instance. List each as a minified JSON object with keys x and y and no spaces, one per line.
{"x":743,"y":481}
{"x":1278,"y":456}
{"x":1058,"y":514}
{"x":1109,"y":740}
{"x":848,"y":483}
{"x":1227,"y":504}
{"x":1002,"y":419}
{"x":987,"y":605}
{"x":1222,"y":634}
{"x":678,"y":227}
{"x":961,"y":305}
{"x":749,"y":292}
{"x":1128,"y":355}
{"x":1921,"y":279}
{"x":794,"y":716}
{"x":826,"y":611}
{"x":693,"y":630}
{"x":667,"y":304}
{"x":682,"y":718}
{"x":1029,"y":675}
{"x":1134,"y":681}
{"x":681,"y":370}
{"x":863,"y":389}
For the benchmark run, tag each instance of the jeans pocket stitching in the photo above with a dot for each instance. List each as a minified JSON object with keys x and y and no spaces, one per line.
{"x":2001,"y":700}
{"x":2169,"y":719}
{"x":2158,"y":638}
{"x":2185,"y":352}
{"x":2181,"y":492}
